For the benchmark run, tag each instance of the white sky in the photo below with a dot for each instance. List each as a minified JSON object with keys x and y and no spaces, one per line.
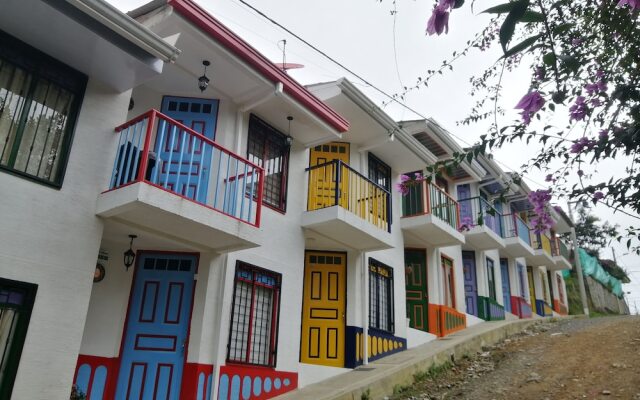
{"x":360,"y":35}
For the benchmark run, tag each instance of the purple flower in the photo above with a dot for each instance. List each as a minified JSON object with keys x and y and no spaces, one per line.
{"x":595,"y":102}
{"x":576,"y":42}
{"x":581,"y":144}
{"x":404,"y":178}
{"x":549,"y":178}
{"x":598,"y":196}
{"x":447,"y":4}
{"x":530,"y":104}
{"x":418,"y":176}
{"x":439,"y":21}
{"x":603,"y":134}
{"x":580,"y":172}
{"x":540,"y":73}
{"x":591,"y":88}
{"x":578,"y":111}
{"x":402,"y":188}
{"x":634,"y":4}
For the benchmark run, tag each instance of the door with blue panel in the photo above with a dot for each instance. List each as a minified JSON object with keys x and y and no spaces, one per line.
{"x":185,"y":164}
{"x":466,"y":212}
{"x":506,"y":284}
{"x":156,"y":339}
{"x":470,"y":282}
{"x":521,"y":279}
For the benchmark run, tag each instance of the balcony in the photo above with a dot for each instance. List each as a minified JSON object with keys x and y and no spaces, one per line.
{"x":541,"y":245}
{"x":169,"y":179}
{"x":445,"y":320}
{"x":346,"y":207}
{"x":489,"y":309}
{"x":483,"y":222}
{"x":560,"y":253}
{"x":517,"y":240}
{"x":430,"y":217}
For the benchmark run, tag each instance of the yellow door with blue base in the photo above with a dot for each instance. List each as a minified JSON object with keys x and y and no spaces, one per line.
{"x":323,"y":309}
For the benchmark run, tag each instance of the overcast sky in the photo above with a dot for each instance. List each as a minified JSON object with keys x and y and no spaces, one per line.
{"x":361,"y":35}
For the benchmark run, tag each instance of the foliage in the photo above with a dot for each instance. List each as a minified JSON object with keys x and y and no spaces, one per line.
{"x":591,"y":234}
{"x":77,"y":394}
{"x":583,"y":104}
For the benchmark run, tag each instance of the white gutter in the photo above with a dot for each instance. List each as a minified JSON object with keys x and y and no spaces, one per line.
{"x":248,"y":106}
{"x":128,"y":28}
{"x":309,"y":114}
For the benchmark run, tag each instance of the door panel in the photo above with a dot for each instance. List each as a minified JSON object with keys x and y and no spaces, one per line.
{"x":184,"y":174}
{"x":506,"y":284}
{"x":416,"y":288}
{"x":322,"y":181}
{"x":155,"y":340}
{"x":323,"y":309}
{"x":470,"y":282}
{"x":532,"y":288}
{"x":491,"y":279}
{"x":464,"y":192}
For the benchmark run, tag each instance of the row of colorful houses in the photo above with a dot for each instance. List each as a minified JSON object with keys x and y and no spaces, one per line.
{"x":182,"y":219}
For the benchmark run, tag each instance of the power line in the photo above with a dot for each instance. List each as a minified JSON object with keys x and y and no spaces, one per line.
{"x":385,"y":94}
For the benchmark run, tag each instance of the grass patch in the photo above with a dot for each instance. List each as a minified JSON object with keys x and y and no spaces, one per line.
{"x":432,"y":372}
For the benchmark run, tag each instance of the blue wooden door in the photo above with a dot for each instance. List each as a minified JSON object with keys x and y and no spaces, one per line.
{"x":470,"y":282}
{"x":466,"y":212}
{"x":521,"y":273}
{"x":188,"y":175}
{"x":155,"y":340}
{"x":506,"y":286}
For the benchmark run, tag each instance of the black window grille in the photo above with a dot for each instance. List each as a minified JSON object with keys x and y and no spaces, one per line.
{"x":253,"y":330}
{"x":491,"y":279}
{"x":16,"y":302}
{"x":379,"y":172}
{"x":39,"y":101}
{"x":268,"y":148}
{"x":380,"y":296}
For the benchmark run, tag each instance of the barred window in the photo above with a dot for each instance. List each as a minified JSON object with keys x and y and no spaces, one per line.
{"x":449,"y":282}
{"x":16,"y":302}
{"x":379,"y":172}
{"x":491,"y":279}
{"x":380,"y":296}
{"x":39,"y":100}
{"x":268,"y":148}
{"x":253,"y":331}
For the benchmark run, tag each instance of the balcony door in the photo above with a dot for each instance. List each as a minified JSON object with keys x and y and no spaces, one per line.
{"x":506,"y":284}
{"x":185,"y":162}
{"x":325,"y":178}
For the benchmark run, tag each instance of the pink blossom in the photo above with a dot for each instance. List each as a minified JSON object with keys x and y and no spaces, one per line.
{"x":576,"y":42}
{"x":598,"y":196}
{"x":634,"y":4}
{"x":439,"y":21}
{"x":530,"y":104}
{"x":580,"y":172}
{"x":581,"y":144}
{"x":402,"y":188}
{"x":549,"y":178}
{"x":404,"y":178}
{"x":447,"y":4}
{"x":419,"y":177}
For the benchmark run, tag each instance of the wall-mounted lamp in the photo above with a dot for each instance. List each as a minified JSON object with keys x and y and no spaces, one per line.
{"x":289,"y":139}
{"x":203,"y":81}
{"x":130,"y":255}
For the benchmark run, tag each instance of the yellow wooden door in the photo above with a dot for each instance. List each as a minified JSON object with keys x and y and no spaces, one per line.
{"x":322,"y":180}
{"x":323,"y":309}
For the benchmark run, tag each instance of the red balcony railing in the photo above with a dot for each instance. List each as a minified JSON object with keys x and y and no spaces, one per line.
{"x":162,"y":152}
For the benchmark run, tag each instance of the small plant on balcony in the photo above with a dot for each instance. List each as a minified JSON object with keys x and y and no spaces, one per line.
{"x":77,"y":394}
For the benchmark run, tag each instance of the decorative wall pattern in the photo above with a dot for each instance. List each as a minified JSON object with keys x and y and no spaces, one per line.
{"x":246,"y":382}
{"x":379,"y":344}
{"x":96,"y":376}
{"x":196,"y":381}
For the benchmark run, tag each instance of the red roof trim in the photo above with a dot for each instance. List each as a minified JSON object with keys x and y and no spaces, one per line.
{"x":199,"y":17}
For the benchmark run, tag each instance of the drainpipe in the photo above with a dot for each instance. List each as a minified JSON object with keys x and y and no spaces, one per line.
{"x":365,"y":310}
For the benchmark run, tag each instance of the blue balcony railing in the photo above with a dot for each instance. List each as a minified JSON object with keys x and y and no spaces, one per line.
{"x":478,"y":211}
{"x":514,"y":226}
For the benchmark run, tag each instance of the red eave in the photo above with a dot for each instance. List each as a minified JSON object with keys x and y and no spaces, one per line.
{"x":199,"y":17}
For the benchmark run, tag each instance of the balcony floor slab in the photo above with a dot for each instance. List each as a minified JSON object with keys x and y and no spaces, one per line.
{"x":560,"y":264}
{"x":516,"y":247}
{"x":164,"y":213}
{"x":481,"y":237}
{"x":540,"y":258}
{"x":428,"y":230}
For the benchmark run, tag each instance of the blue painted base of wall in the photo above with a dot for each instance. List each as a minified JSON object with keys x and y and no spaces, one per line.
{"x":379,"y":343}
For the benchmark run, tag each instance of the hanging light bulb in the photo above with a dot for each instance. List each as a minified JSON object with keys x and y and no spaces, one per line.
{"x":289,"y":139}
{"x":203,"y":81}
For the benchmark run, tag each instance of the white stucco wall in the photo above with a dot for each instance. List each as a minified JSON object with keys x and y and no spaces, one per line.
{"x":54,"y":242}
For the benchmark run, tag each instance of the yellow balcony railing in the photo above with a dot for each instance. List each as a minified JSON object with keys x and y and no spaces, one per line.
{"x":336,"y":184}
{"x":541,"y":241}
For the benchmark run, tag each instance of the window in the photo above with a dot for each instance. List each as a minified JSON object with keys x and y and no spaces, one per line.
{"x":268,"y":148}
{"x":16,"y":302}
{"x":491,"y":279}
{"x":380,"y":296}
{"x":379,"y":172}
{"x":449,"y":282}
{"x":39,"y":101}
{"x":253,"y":331}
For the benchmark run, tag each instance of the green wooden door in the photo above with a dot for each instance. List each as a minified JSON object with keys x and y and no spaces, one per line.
{"x":415,"y":262}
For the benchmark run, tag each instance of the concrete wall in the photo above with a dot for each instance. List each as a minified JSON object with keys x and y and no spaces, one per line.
{"x":54,"y":243}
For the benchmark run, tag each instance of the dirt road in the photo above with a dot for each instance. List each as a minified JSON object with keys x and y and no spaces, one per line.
{"x":595,"y":358}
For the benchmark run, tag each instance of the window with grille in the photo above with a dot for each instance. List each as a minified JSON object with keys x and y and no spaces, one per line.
{"x":254,"y":319}
{"x":39,"y":101}
{"x":491,"y":279}
{"x":16,"y":302}
{"x":449,"y":282}
{"x":380,"y":296}
{"x":379,"y":172}
{"x":267,"y":147}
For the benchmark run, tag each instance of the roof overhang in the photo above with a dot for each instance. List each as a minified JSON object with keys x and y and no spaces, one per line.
{"x":90,"y":36}
{"x":213,"y":28}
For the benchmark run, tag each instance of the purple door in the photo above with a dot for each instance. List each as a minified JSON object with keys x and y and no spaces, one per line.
{"x":470,"y":283}
{"x":506,"y":286}
{"x":466,"y":213}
